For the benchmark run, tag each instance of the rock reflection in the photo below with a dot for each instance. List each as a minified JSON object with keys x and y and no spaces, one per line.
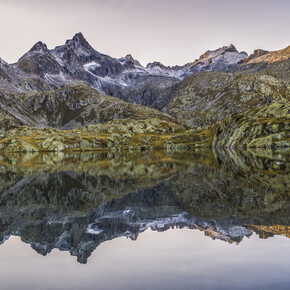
{"x":74,"y":202}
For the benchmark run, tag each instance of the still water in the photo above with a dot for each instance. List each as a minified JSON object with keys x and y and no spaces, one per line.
{"x":155,"y":220}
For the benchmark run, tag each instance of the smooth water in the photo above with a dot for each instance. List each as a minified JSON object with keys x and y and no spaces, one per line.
{"x":153,"y":220}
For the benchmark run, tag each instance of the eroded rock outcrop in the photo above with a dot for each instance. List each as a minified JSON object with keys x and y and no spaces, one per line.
{"x":267,"y":127}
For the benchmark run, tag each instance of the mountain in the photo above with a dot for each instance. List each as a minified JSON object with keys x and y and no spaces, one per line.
{"x":73,"y":86}
{"x":77,"y":61}
{"x":203,"y":99}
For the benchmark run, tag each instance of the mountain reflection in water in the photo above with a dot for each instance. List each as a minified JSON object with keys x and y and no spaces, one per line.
{"x":75,"y":202}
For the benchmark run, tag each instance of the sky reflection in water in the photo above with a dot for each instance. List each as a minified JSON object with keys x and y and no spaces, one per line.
{"x":231,"y":212}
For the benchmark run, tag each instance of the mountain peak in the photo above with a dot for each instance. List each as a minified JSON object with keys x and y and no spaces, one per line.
{"x":156,"y":64}
{"x":230,"y":48}
{"x":259,"y":52}
{"x":129,"y":59}
{"x":211,"y":54}
{"x":39,"y":47}
{"x":79,"y":37}
{"x":78,"y":41}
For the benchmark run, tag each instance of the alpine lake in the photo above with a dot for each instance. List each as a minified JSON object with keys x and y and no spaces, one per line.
{"x":200,"y":219}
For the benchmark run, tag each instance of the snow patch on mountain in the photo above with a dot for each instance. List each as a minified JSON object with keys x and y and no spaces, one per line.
{"x":58,"y":57}
{"x":54,"y":78}
{"x":91,"y":65}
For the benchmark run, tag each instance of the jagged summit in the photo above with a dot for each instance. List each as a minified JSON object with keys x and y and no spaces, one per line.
{"x":79,"y":37}
{"x":78,"y":41}
{"x":129,"y":61}
{"x":263,"y":56}
{"x":210,"y":54}
{"x":259,"y":52}
{"x":156,"y":64}
{"x":130,"y":57}
{"x":39,"y":46}
{"x":230,"y":48}
{"x":38,"y":61}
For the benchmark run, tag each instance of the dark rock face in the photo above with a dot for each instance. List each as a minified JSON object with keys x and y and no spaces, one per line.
{"x":38,"y":61}
{"x":78,"y":52}
{"x":151,"y":91}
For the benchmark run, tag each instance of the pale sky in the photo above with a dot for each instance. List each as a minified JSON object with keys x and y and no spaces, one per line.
{"x":170,"y":31}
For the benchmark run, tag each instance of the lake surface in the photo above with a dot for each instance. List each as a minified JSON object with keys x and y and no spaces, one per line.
{"x":149,"y":220}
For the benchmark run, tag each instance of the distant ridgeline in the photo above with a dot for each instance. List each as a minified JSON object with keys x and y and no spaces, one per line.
{"x":223,"y":99}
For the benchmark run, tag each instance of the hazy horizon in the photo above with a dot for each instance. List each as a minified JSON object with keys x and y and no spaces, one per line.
{"x":173,"y":32}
